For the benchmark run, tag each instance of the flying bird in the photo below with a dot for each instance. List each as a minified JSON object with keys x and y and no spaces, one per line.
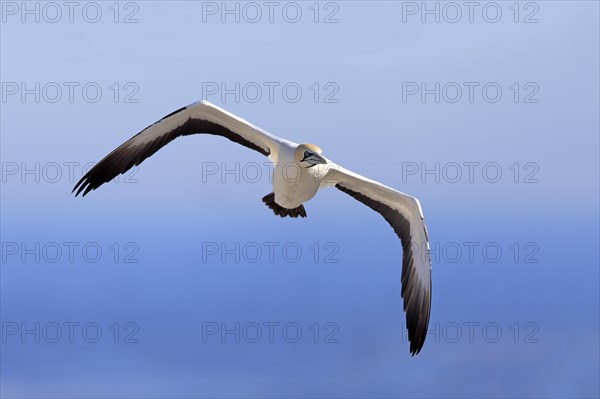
{"x":300,"y":172}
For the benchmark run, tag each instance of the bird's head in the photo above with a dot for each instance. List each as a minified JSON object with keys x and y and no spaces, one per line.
{"x":309,"y":155}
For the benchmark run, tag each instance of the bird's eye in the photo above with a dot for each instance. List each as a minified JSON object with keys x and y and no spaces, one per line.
{"x":307,"y":154}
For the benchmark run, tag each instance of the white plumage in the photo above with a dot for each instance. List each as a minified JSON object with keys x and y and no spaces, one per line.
{"x":300,"y":171}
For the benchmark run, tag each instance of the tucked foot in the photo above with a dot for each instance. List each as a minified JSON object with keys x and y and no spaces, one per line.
{"x":269,"y":199}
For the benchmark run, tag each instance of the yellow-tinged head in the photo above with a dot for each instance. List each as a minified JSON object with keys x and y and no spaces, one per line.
{"x":309,"y":155}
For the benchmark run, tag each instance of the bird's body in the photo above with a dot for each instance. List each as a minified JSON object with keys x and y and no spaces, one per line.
{"x":300,"y":171}
{"x":293,"y":185}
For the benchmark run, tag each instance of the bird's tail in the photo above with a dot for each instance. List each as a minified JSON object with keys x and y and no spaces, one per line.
{"x":269,"y":199}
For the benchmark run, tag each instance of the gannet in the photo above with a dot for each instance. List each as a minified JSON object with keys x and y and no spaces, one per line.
{"x":300,"y":172}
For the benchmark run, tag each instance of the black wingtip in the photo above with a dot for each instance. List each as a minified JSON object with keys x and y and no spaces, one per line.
{"x":88,"y":189}
{"x":80,"y":184}
{"x":79,"y":190}
{"x":415,"y":349}
{"x":417,"y":339}
{"x":76,"y":186}
{"x":83,"y":184}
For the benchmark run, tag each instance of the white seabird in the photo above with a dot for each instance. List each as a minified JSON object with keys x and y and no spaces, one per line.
{"x":312,"y":172}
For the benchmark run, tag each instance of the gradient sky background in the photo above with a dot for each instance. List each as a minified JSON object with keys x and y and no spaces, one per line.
{"x":534,"y":311}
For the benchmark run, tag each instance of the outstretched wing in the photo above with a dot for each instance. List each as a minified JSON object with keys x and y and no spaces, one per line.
{"x":404,"y":214}
{"x":200,"y":117}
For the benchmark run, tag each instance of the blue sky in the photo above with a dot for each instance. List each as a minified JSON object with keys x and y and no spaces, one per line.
{"x":124,"y":289}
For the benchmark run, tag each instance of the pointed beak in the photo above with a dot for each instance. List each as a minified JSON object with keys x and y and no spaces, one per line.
{"x":315,"y":159}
